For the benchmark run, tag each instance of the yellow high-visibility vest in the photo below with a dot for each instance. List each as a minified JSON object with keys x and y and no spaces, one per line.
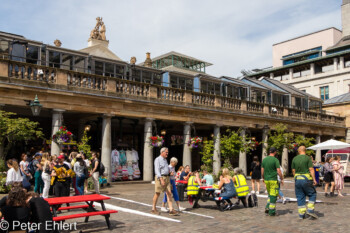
{"x":192,"y":186}
{"x":241,"y":186}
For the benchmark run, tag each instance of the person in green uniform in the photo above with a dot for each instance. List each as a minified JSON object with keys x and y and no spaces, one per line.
{"x":304,"y":175}
{"x":270,"y":167}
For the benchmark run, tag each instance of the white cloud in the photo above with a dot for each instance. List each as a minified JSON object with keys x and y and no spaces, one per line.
{"x":233,"y":35}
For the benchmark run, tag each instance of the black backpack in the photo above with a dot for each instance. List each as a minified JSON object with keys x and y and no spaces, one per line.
{"x":252,"y":200}
{"x":102,"y":168}
{"x":31,"y":168}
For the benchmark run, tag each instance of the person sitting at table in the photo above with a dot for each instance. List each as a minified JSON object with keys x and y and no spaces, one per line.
{"x":226,"y":182}
{"x":241,"y":186}
{"x":173,"y":163}
{"x":192,"y":187}
{"x":178,"y":173}
{"x":16,"y":209}
{"x":60,"y":177}
{"x":207,"y":178}
{"x":185,"y":174}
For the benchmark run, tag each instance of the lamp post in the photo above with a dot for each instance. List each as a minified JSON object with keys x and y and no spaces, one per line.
{"x":35,"y":106}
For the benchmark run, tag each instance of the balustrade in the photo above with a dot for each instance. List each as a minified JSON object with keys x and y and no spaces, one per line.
{"x":295,"y":113}
{"x":26,"y":71}
{"x":311,"y":115}
{"x":325,"y":117}
{"x":203,"y":99}
{"x":276,"y":110}
{"x":255,"y":107}
{"x":90,"y":81}
{"x":230,"y":103}
{"x":171,"y":94}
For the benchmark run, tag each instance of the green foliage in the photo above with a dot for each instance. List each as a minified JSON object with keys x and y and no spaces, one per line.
{"x":84,"y":145}
{"x":300,"y":140}
{"x":280,"y":138}
{"x":207,"y":155}
{"x":3,"y":187}
{"x":16,"y":129}
{"x":230,"y":145}
{"x":3,"y":167}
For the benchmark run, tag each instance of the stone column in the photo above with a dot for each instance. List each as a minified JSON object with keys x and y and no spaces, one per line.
{"x":335,"y":64}
{"x":318,"y":152}
{"x":265,"y":137}
{"x":147,"y":152}
{"x":106,"y":147}
{"x":290,"y":73}
{"x":243,"y":156}
{"x":57,"y":119}
{"x":187,"y":155}
{"x":341,"y":63}
{"x":312,"y":69}
{"x":285,"y":162}
{"x":217,"y":155}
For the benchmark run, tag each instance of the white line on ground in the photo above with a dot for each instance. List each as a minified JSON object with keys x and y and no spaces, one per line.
{"x":144,"y":204}
{"x":118,"y":208}
{"x":288,"y":198}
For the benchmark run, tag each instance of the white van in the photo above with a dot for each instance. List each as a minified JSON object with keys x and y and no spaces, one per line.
{"x":345,"y":158}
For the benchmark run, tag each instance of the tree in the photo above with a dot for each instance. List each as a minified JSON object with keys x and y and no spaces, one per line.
{"x":84,"y":146}
{"x":280,"y":138}
{"x":207,"y":155}
{"x":14,"y":129}
{"x":300,"y":140}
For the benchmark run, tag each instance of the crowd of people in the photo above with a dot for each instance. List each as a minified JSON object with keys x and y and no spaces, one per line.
{"x":55,"y":175}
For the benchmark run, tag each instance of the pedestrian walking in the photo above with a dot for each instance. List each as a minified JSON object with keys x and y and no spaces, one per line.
{"x":328,"y":177}
{"x":13,"y":174}
{"x":304,"y":175}
{"x":269,"y":171}
{"x":95,"y":172}
{"x":162,"y":181}
{"x":173,"y":163}
{"x":338,"y":173}
{"x":256,"y":174}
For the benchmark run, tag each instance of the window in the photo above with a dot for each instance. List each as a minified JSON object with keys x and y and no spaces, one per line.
{"x":32,"y":54}
{"x":98,"y":68}
{"x":54,"y":59}
{"x":4,"y":47}
{"x":324,"y":92}
{"x":67,"y":62}
{"x":109,"y":70}
{"x":79,"y":64}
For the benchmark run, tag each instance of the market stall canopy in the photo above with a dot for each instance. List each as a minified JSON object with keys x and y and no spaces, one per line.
{"x":329,"y":145}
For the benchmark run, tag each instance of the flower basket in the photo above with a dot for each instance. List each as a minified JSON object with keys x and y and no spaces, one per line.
{"x":156,"y":141}
{"x":62,"y":135}
{"x":251,"y":143}
{"x":195,"y":142}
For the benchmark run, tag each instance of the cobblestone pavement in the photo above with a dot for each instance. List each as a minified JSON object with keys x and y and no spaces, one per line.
{"x":133,"y":202}
{"x":333,"y":214}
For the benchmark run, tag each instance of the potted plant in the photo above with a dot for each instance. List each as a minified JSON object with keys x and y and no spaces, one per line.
{"x":62,"y":135}
{"x":156,"y":141}
{"x":195,"y":142}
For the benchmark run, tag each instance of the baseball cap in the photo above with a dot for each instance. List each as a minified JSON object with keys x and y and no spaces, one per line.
{"x":272,"y":150}
{"x":60,"y":157}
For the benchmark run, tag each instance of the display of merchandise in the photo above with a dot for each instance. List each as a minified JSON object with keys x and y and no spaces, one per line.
{"x":125,"y":165}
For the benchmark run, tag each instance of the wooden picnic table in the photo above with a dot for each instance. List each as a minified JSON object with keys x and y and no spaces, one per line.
{"x":207,"y":193}
{"x":56,"y":203}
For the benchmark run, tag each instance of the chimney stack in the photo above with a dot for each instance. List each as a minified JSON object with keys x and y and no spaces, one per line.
{"x":345,"y":17}
{"x":148,"y":61}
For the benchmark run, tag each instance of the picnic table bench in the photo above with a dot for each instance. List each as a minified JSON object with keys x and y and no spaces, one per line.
{"x":56,"y":203}
{"x":207,"y":193}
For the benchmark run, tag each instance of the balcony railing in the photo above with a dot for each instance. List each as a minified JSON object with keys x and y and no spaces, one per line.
{"x":59,"y":78}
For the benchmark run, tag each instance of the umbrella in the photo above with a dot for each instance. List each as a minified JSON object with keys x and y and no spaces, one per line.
{"x":329,"y":145}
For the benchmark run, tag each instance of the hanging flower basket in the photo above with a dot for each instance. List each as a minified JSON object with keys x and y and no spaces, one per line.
{"x":156,"y":141}
{"x":251,"y":143}
{"x":62,"y":135}
{"x":195,"y":142}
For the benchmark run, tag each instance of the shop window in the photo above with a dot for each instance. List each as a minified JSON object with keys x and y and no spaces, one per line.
{"x":324,"y":92}
{"x":54,"y":59}
{"x":109,"y":70}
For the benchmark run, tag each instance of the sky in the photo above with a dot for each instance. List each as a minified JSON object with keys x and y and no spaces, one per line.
{"x":233,"y":35}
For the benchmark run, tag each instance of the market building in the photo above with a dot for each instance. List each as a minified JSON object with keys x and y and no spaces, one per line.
{"x":123,"y":103}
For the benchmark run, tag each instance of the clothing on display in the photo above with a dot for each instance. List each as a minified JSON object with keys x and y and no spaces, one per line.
{"x":125,"y":165}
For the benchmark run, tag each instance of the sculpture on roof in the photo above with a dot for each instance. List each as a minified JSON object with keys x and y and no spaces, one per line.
{"x":133,"y":60}
{"x":57,"y":43}
{"x":99,"y":32}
